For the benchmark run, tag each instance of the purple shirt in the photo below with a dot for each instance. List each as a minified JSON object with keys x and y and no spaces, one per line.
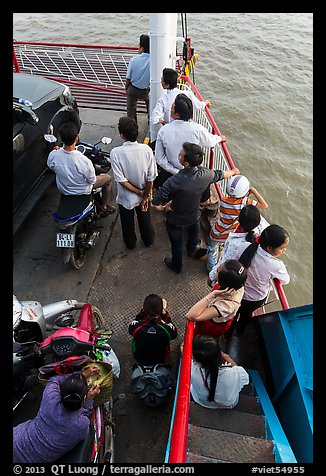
{"x":53,"y":431}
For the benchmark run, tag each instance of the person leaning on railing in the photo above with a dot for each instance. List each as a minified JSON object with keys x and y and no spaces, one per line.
{"x":171,"y":137}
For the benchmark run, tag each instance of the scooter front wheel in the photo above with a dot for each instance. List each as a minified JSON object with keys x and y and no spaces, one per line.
{"x":97,"y":318}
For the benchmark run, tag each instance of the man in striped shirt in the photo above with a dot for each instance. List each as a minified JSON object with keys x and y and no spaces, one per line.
{"x":226,"y":219}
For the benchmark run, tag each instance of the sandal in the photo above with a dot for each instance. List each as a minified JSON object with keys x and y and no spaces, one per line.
{"x":106,"y":210}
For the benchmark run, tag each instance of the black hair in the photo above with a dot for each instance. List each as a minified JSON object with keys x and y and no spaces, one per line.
{"x":73,"y":391}
{"x":271,"y":237}
{"x":153,"y":306}
{"x":170,"y":77}
{"x":68,"y":133}
{"x":144,"y":43}
{"x":193,"y":154}
{"x":128,"y":127}
{"x":183,"y":106}
{"x":232,"y":274}
{"x":206,"y":350}
{"x":249,"y":218}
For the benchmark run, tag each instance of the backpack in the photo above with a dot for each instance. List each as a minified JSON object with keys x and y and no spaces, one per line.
{"x":151,"y":383}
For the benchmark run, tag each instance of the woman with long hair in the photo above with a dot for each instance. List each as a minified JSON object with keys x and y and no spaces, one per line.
{"x":263,"y":263}
{"x":216,"y":380}
{"x":152,"y":331}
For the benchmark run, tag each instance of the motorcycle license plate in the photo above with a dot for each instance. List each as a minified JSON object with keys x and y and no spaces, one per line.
{"x":65,"y":240}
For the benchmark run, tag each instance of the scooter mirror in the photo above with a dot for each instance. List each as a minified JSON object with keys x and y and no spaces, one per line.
{"x":81,"y":148}
{"x":106,"y":140}
{"x":50,"y":138}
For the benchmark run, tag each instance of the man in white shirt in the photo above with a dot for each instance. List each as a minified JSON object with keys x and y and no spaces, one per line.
{"x":134,"y":170}
{"x":171,"y":137}
{"x":75,"y":173}
{"x":162,"y":112}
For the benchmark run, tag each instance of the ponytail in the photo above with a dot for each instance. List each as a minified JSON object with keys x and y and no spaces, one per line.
{"x":251,"y":236}
{"x":206,"y":350}
{"x":248,"y":254}
{"x":212,"y":372}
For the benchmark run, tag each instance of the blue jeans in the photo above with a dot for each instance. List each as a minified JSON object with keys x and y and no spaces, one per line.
{"x":212,"y":253}
{"x":175,"y":233}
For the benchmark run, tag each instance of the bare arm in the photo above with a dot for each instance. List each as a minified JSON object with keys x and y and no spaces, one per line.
{"x":202,"y":310}
{"x":146,"y":196}
{"x":228,"y":359}
{"x":261,"y":202}
{"x":132,"y":188}
{"x":230,"y":173}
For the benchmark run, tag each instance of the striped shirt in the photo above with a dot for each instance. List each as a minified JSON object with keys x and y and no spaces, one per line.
{"x":227,"y":217}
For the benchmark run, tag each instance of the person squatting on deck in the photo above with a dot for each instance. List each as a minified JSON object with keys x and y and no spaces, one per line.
{"x":138,"y":78}
{"x":62,"y":421}
{"x":134,"y":170}
{"x":216,"y":380}
{"x":75,"y":173}
{"x":171,"y":137}
{"x":152,"y":331}
{"x":181,"y":195}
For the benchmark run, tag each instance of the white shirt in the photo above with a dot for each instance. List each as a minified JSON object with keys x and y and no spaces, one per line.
{"x":162,"y":109}
{"x":230,"y":381}
{"x":171,"y":137}
{"x":75,"y":173}
{"x":132,"y":162}
{"x":263,"y":268}
{"x":234,"y":246}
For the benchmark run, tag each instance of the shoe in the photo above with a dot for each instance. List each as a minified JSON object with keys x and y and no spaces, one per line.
{"x":198,"y":253}
{"x":106,"y":210}
{"x":169,"y":263}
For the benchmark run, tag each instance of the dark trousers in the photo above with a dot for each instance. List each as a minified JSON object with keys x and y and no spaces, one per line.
{"x":146,"y":230}
{"x":175,"y":233}
{"x":133,"y":94}
{"x":243,"y":316}
{"x":162,"y":176}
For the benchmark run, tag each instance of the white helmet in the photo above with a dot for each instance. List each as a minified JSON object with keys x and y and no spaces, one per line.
{"x":237,"y":186}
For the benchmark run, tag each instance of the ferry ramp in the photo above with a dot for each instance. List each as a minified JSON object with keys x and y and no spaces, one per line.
{"x":123,"y":279}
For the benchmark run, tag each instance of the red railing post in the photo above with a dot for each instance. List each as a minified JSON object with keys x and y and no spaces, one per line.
{"x":179,"y":436}
{"x":15,"y":62}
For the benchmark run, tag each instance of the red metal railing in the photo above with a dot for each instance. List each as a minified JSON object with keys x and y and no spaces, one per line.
{"x":179,"y":429}
{"x":218,"y":157}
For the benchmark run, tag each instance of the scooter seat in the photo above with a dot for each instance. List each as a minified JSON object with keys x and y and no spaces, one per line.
{"x":72,"y":205}
{"x":81,"y":453}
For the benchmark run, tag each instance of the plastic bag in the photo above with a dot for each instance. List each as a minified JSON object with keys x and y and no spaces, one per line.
{"x":104,"y":380}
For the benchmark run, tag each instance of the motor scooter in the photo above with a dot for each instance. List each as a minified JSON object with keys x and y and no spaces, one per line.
{"x":77,"y":216}
{"x":33,"y":322}
{"x":65,"y":351}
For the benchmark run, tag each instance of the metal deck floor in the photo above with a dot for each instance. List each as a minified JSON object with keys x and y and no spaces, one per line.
{"x":116,"y":280}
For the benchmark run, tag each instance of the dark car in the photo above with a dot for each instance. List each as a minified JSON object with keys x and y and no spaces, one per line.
{"x":40,"y":106}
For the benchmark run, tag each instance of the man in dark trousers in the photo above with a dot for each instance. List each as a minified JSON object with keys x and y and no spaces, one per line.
{"x":182,"y":194}
{"x":138,"y":78}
